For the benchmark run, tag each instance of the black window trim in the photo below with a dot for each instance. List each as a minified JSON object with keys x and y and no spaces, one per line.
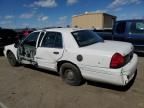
{"x":40,"y":41}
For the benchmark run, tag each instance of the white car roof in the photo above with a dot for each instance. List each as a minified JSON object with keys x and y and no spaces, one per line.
{"x":68,"y":40}
{"x":61,"y":29}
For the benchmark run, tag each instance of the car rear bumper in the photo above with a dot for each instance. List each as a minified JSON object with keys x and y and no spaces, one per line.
{"x":120,"y":77}
{"x":129,"y":70}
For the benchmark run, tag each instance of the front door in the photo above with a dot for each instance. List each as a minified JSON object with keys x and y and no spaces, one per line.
{"x":50,"y":50}
{"x":27,"y":49}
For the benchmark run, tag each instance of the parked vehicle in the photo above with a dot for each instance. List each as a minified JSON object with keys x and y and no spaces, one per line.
{"x":26,"y":32}
{"x":7,"y":37}
{"x":127,"y":30}
{"x":76,"y":54}
{"x":23,"y":34}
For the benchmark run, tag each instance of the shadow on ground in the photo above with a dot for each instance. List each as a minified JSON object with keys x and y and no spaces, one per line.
{"x":41,"y":70}
{"x":1,"y":52}
{"x":91,"y":83}
{"x":140,"y":54}
{"x":113,"y":87}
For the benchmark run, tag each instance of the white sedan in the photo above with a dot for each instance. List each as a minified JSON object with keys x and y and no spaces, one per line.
{"x":76,"y":54}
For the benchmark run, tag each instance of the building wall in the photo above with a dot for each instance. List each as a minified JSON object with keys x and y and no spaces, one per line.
{"x":108,"y":21}
{"x":92,"y":20}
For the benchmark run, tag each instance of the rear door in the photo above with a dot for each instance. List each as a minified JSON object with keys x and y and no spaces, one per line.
{"x":50,"y":50}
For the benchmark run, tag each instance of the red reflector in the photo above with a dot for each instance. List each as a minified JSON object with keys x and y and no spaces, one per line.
{"x":117,"y":61}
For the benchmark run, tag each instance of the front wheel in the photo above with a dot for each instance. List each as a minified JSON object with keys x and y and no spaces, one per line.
{"x":71,"y":74}
{"x":11,"y":58}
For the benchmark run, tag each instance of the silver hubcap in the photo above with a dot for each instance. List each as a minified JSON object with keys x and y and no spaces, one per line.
{"x":69,"y":74}
{"x":11,"y":58}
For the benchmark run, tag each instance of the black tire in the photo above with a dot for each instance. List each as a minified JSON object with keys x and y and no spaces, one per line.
{"x":71,"y":74}
{"x":11,"y":58}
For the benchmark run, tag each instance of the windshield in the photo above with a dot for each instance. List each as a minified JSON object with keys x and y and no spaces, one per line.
{"x":86,"y":37}
{"x":137,"y":27}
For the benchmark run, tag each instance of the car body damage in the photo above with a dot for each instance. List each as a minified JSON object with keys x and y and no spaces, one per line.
{"x":26,"y":53}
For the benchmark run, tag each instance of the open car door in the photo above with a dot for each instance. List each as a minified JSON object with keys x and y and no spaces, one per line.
{"x":27,"y":49}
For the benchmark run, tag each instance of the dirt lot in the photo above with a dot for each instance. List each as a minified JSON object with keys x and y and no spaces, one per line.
{"x":24,"y":87}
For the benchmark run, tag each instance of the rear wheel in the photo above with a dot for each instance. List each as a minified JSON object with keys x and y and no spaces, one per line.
{"x":71,"y":74}
{"x":11,"y":58}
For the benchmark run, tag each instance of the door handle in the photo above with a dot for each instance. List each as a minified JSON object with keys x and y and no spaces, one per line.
{"x":55,"y":52}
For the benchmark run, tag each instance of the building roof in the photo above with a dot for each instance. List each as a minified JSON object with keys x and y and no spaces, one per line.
{"x":90,"y":13}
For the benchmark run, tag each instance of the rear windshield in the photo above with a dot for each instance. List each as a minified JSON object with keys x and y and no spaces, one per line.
{"x":86,"y":37}
{"x":137,"y":27}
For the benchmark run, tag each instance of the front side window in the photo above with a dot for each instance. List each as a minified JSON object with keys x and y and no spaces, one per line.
{"x":86,"y":37}
{"x":137,"y":27}
{"x":31,"y":39}
{"x":52,"y":40}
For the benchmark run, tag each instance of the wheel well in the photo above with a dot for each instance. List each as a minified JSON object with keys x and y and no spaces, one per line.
{"x":8,"y":52}
{"x":62,"y":62}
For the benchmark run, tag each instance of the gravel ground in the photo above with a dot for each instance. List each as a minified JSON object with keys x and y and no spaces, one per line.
{"x":26,"y":87}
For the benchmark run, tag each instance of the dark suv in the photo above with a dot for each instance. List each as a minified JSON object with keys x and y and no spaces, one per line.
{"x":7,"y":37}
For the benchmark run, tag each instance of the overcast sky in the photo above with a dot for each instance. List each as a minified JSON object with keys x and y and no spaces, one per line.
{"x":43,"y":13}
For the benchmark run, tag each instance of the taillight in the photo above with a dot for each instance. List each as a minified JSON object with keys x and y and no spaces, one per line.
{"x":117,"y":61}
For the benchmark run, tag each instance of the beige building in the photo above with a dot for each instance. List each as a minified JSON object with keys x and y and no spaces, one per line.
{"x":93,"y":20}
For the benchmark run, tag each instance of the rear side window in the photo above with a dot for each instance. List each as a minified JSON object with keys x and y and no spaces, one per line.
{"x":52,"y":40}
{"x":120,"y":28}
{"x":137,"y":27}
